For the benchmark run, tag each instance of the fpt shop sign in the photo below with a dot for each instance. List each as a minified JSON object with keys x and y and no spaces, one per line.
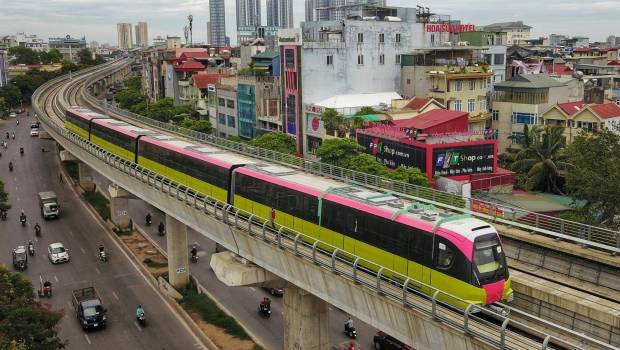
{"x":463,"y":160}
{"x":393,"y":154}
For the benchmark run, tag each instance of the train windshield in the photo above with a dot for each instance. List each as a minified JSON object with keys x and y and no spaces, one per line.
{"x":489,"y":260}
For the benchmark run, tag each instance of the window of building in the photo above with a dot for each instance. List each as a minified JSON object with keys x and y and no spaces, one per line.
{"x":221,"y":102}
{"x":398,"y":37}
{"x":230,"y":103}
{"x":472,"y":84}
{"x":588,"y":126}
{"x":231,"y":121}
{"x":360,"y":37}
{"x":498,"y":58}
{"x":221,"y":118}
{"x":517,"y":138}
{"x":408,"y":81}
{"x":289,"y":58}
{"x":382,"y":59}
{"x":330,"y":60}
{"x":398,"y":58}
{"x":360,"y":59}
{"x":495,"y":115}
{"x":523,"y":118}
{"x":458,"y":85}
{"x":382,"y":38}
{"x":471,"y":105}
{"x":483,"y":105}
{"x":457,"y":105}
{"x":488,"y":58}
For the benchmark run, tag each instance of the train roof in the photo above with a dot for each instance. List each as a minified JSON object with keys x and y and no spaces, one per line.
{"x":123,"y":127}
{"x":85,"y":113}
{"x":380,"y":203}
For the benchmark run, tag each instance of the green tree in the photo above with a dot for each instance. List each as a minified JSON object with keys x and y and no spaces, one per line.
{"x":365,"y":111}
{"x":162,"y":110}
{"x":412,"y":176}
{"x":51,"y":56}
{"x":366,"y":163}
{"x":275,"y":141}
{"x":543,"y":159}
{"x":3,"y":106}
{"x":128,"y":98}
{"x":68,"y":66}
{"x":332,"y":120}
{"x":22,"y":319}
{"x":4,"y":198}
{"x":11,"y":94}
{"x":339,"y":151}
{"x":201,"y":125}
{"x":594,"y":174}
{"x":133,"y":83}
{"x":85,"y":57}
{"x":23,"y":55}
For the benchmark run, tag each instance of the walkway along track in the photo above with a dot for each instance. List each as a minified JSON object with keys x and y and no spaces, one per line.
{"x":391,"y":289}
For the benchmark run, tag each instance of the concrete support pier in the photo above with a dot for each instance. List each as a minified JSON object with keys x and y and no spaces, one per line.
{"x":306,"y":321}
{"x":85,"y":175}
{"x":176,"y":238}
{"x":119,"y":201}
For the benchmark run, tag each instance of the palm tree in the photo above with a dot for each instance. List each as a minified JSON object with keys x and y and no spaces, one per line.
{"x":542,"y":158}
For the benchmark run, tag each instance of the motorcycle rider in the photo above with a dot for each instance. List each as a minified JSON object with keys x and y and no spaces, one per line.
{"x":148,"y":219}
{"x":13,"y":135}
{"x":139,"y":312}
{"x":10,"y":166}
{"x":161,"y":229}
{"x":348,"y":325}
{"x":265,"y":304}
{"x":194,"y":252}
{"x":47,"y":287}
{"x":101,"y":250}
{"x":21,"y":151}
{"x":37,"y":229}
{"x":22,"y":216}
{"x":30,"y":245}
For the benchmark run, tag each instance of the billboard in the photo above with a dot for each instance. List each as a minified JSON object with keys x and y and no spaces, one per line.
{"x":393,"y":153}
{"x":463,"y":160}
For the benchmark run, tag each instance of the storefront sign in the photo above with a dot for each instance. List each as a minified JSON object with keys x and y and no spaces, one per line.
{"x":463,"y":160}
{"x":291,"y":36}
{"x":315,"y":123}
{"x":393,"y":153}
{"x":449,"y":28}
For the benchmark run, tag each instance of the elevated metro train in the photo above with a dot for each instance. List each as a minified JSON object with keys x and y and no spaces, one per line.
{"x":462,"y":256}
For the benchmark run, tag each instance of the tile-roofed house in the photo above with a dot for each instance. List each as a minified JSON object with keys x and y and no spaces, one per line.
{"x":189,"y":66}
{"x":606,"y":110}
{"x":576,"y":117}
{"x":437,"y":120}
{"x":417,"y":103}
{"x":570,"y":108}
{"x":203,"y":80}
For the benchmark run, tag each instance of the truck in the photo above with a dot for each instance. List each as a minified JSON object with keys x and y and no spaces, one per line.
{"x":88,"y":307}
{"x":49,"y":205}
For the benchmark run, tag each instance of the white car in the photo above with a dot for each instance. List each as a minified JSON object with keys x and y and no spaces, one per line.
{"x":13,"y":115}
{"x":57,"y":253}
{"x":34,"y":132}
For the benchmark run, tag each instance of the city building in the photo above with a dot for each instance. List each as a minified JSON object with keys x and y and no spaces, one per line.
{"x":247,"y":51}
{"x":67,"y":46}
{"x":495,"y":55}
{"x":437,"y":142}
{"x":259,"y":101}
{"x":4,"y":64}
{"x":250,"y":34}
{"x":30,"y":41}
{"x":173,"y":42}
{"x":577,"y":117}
{"x":217,"y":23}
{"x":267,"y":63}
{"x":517,"y":32}
{"x":125,"y":36}
{"x":142,"y":34}
{"x":159,"y":42}
{"x":225,"y":117}
{"x":248,"y":13}
{"x":521,"y":101}
{"x":451,"y":77}
{"x":280,"y":13}
{"x":325,"y":10}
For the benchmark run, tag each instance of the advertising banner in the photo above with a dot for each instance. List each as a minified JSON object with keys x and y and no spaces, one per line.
{"x":463,"y":160}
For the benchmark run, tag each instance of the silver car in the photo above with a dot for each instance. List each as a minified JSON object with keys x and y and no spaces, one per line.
{"x":57,"y":253}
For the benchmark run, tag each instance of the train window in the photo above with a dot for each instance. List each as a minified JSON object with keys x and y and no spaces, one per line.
{"x":445,"y":256}
{"x":420,"y":246}
{"x":112,"y":136}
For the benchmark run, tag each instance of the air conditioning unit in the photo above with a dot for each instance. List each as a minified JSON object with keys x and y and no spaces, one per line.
{"x":324,"y":29}
{"x":463,"y":43}
{"x":447,"y":43}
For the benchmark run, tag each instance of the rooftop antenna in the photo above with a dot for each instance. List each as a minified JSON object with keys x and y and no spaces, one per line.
{"x":186,"y":34}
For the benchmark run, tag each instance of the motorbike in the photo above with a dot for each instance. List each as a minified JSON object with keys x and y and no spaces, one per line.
{"x":21,"y":151}
{"x":148,"y":220}
{"x":22,"y":219}
{"x":194,"y":255}
{"x":141,"y":318}
{"x":13,"y":136}
{"x":103,"y":256}
{"x":264,"y":310}
{"x":350,"y":332}
{"x":10,"y":166}
{"x":3,"y":215}
{"x":30,"y":248}
{"x":37,"y":230}
{"x":161,"y":230}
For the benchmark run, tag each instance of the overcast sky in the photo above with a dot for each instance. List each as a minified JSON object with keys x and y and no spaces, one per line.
{"x":96,"y":19}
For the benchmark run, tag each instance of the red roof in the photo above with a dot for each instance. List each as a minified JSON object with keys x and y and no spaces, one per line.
{"x":189,"y":66}
{"x":181,"y":50}
{"x":196,"y":55}
{"x":571,"y":108}
{"x":606,"y":110}
{"x":581,"y":49}
{"x":417,"y":103}
{"x":429,"y":119}
{"x":613,"y":63}
{"x":562,"y":69}
{"x":202,"y":80}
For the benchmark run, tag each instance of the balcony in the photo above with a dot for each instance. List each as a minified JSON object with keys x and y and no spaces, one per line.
{"x":456,"y":72}
{"x":615,"y":93}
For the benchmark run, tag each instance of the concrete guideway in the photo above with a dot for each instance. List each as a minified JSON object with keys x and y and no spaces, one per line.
{"x":236,"y":240}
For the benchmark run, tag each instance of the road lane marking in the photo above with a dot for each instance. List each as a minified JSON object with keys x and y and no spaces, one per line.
{"x":83,"y":251}
{"x":55,"y":278}
{"x":97,"y":270}
{"x":87,"y":339}
{"x":137,"y":326}
{"x":253,"y":289}
{"x":115,"y":296}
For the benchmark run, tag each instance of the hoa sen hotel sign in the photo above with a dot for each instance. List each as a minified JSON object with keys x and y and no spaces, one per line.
{"x":449,"y":28}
